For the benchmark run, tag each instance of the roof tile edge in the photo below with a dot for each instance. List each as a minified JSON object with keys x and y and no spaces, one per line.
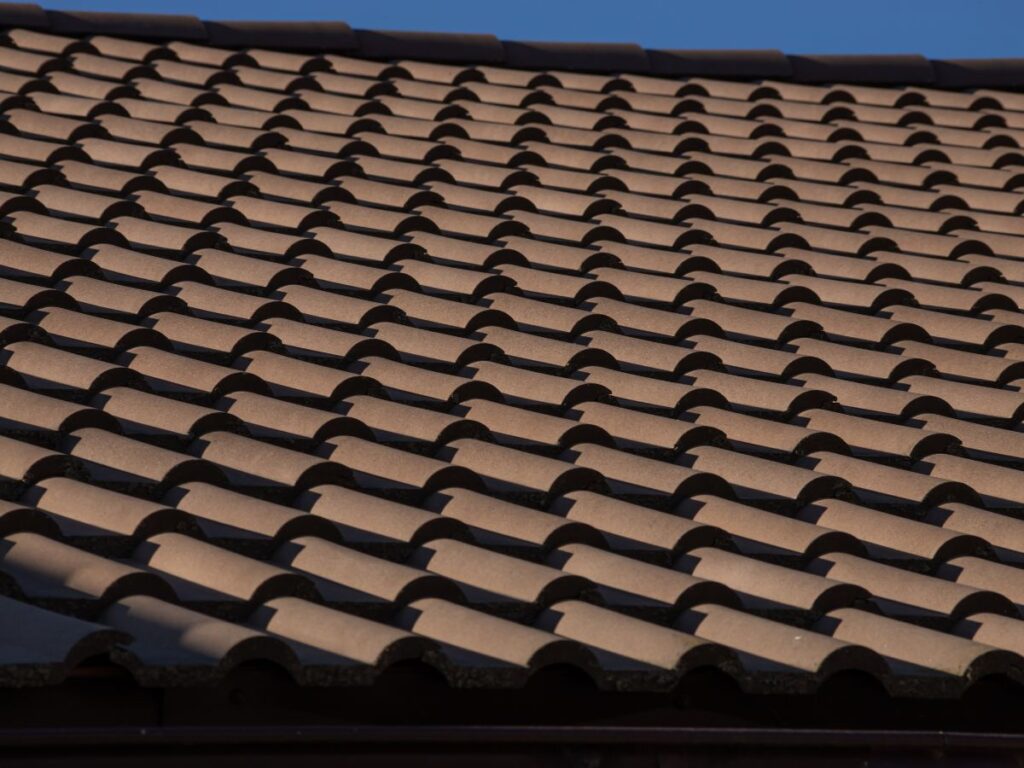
{"x":623,"y":58}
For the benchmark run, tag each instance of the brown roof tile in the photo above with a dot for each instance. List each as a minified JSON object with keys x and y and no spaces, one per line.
{"x":631,"y":362}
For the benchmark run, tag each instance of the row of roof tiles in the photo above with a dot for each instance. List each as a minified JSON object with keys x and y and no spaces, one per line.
{"x":428,"y":407}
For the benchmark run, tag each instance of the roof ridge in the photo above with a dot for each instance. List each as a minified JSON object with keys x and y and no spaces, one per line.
{"x":624,"y":58}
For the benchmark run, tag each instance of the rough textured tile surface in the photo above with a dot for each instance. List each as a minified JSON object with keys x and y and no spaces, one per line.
{"x":343,"y":350}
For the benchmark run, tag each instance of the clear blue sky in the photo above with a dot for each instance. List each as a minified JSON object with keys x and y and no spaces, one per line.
{"x":935,"y":28}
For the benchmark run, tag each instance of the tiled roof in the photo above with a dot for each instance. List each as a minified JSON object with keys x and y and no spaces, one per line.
{"x":318,"y":351}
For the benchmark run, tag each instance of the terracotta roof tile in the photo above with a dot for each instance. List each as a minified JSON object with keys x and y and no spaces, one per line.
{"x":637,"y":362}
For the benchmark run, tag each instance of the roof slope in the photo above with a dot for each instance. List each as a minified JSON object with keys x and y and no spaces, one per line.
{"x":340,"y":363}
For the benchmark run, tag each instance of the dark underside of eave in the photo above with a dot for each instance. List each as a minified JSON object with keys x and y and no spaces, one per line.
{"x":259,"y":701}
{"x":258,"y":720}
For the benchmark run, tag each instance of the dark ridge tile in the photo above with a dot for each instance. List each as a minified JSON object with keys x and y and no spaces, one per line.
{"x":148,"y":26}
{"x":586,"y":57}
{"x":298,"y":35}
{"x":976,"y":73}
{"x":903,"y":69}
{"x":430,"y":46}
{"x":718,"y":64}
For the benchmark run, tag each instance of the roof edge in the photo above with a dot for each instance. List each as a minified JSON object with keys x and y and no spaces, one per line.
{"x":621,"y":58}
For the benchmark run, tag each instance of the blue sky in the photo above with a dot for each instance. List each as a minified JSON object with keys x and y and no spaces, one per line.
{"x":935,"y":28}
